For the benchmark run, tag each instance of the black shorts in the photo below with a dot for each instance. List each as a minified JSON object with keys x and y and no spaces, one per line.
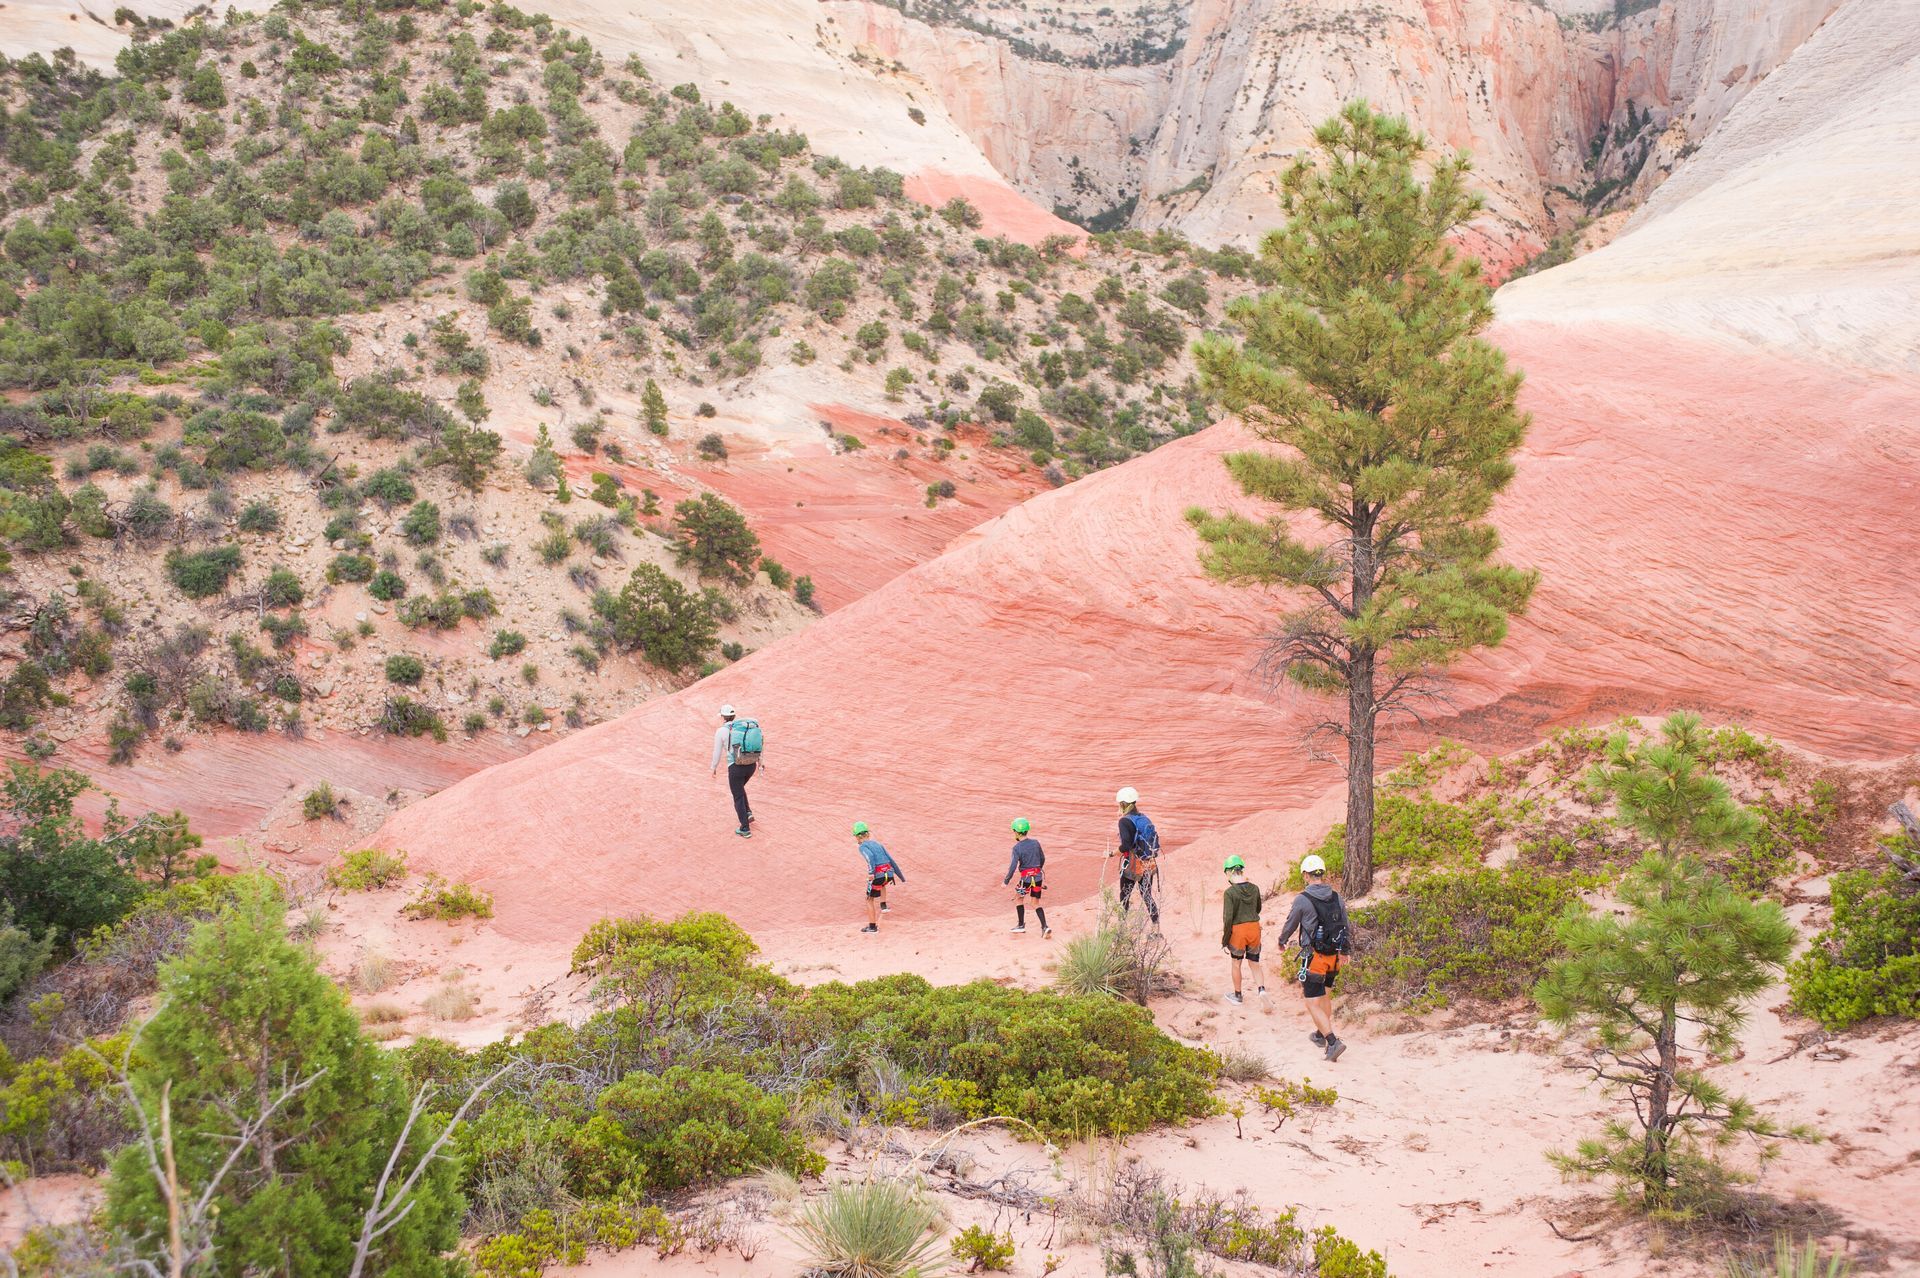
{"x":877,"y":884}
{"x":1029,"y":885}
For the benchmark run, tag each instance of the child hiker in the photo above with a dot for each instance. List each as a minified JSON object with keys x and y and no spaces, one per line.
{"x":1240,"y":925}
{"x":1028,"y":862}
{"x":882,"y":869}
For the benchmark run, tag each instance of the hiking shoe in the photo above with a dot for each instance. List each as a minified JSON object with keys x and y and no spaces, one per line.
{"x":1235,"y":998}
{"x":744,"y":832}
{"x":1262,"y":991}
{"x":1018,"y":929}
{"x":884,"y":909}
{"x":751,"y":818}
{"x":1046,"y":934}
{"x":1319,"y":1039}
{"x":1334,"y":1048}
{"x":870,"y":928}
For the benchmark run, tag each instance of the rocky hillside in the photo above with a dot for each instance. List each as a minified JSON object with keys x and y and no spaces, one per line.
{"x":424,"y":374}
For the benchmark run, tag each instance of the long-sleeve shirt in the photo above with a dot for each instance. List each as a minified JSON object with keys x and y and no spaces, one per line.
{"x":1027,"y":855}
{"x":720,"y":746}
{"x":876,"y":855}
{"x":1301,"y":917}
{"x":1129,"y":833}
{"x":1240,"y":904}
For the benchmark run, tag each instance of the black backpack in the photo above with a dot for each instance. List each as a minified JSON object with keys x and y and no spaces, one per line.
{"x":1329,"y":935}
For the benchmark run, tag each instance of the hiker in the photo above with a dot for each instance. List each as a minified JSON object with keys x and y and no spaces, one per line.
{"x":1028,"y":862}
{"x":1320,"y":916}
{"x":1139,"y":855}
{"x":1240,"y":925}
{"x":739,"y":742}
{"x":882,"y":869}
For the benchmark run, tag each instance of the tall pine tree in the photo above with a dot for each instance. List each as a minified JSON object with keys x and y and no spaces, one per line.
{"x":1397,"y":427}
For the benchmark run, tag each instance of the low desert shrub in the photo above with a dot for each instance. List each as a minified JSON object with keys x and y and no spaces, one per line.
{"x":981,"y":1249}
{"x":351,"y":567}
{"x":402,"y":716}
{"x":439,"y":899}
{"x":506,"y":643}
{"x":1866,"y":962}
{"x":404,"y":668}
{"x":368,"y":870}
{"x":199,"y":574}
{"x":320,"y":803}
{"x":1481,"y":933}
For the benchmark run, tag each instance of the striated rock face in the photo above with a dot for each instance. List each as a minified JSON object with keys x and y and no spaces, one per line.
{"x":1062,"y":134}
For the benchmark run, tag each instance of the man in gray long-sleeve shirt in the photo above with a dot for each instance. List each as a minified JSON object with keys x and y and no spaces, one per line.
{"x":739,"y":770}
{"x":1317,"y":906}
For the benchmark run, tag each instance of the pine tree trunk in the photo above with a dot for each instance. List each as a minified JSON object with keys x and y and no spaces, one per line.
{"x":1658,"y":1121}
{"x":1356,"y":878}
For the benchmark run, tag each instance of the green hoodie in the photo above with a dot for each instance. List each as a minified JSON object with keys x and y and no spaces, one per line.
{"x":1240,"y":904}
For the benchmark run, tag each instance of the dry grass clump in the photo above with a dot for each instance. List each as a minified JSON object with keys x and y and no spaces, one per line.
{"x":871,"y":1229}
{"x":451,"y":1002}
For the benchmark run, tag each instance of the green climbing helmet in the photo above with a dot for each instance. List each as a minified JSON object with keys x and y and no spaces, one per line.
{"x":1021,"y":825}
{"x":1234,"y":863}
{"x":859,"y":827}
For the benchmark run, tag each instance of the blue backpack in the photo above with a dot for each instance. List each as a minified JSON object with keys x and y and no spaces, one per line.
{"x":1146,"y":839}
{"x":744,"y":741}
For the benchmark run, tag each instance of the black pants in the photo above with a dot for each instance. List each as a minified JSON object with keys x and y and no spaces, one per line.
{"x":738,"y":774}
{"x":1127,"y":885}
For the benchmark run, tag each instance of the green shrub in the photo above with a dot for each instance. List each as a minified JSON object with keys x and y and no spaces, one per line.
{"x":422,"y":524}
{"x":669,"y":625}
{"x":198,"y":574}
{"x":803,"y":590}
{"x":405,"y":668}
{"x":1070,"y":1065}
{"x":386,"y":585}
{"x":405,"y":717}
{"x":259,"y":517}
{"x":777,"y":574}
{"x":1866,"y":962}
{"x":712,"y":447}
{"x":62,"y":1113}
{"x":439,"y":899}
{"x":351,"y":567}
{"x":982,"y":1250}
{"x":368,"y":870}
{"x":870,"y":1229}
{"x":443,"y":611}
{"x":389,"y":487}
{"x":22,"y":953}
{"x":1481,"y":934}
{"x":683,"y":1128}
{"x":320,"y":803}
{"x":282,"y":589}
{"x":506,"y":643}
{"x":56,"y":877}
{"x":243,"y":1014}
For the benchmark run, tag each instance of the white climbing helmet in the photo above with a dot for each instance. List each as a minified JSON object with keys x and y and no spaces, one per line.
{"x":1127,"y":795}
{"x":1313,"y":865}
{"x":726,"y":712}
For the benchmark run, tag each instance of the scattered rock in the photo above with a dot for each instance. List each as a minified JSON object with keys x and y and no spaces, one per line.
{"x":380,"y":609}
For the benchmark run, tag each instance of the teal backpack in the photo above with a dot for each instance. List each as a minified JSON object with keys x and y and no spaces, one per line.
{"x":744,"y":741}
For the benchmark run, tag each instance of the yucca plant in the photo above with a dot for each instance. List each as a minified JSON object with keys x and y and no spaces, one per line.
{"x":870,"y":1229}
{"x":1791,"y":1261}
{"x":1093,"y":964}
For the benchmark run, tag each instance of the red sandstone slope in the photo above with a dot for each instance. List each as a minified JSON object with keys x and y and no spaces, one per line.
{"x":1715,"y":530}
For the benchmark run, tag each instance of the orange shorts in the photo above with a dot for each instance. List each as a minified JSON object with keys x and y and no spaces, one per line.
{"x":1243,"y":942}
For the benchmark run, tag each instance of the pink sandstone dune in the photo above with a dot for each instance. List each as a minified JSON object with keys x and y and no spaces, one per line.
{"x":1726,"y":531}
